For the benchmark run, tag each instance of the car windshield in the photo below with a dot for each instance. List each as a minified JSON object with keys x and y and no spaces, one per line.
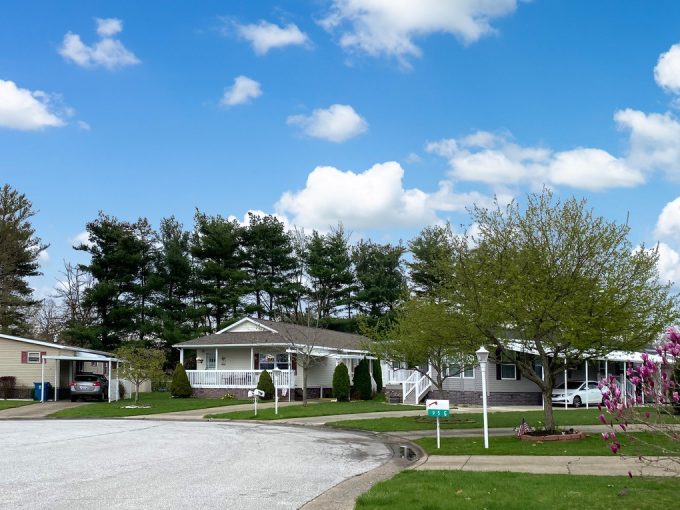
{"x":572,"y":385}
{"x":86,"y":378}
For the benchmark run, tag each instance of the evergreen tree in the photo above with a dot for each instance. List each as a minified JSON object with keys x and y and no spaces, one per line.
{"x":381,"y":282}
{"x":269,"y":264}
{"x":216,"y":249}
{"x":362,"y":380}
{"x":180,"y":386}
{"x":266,"y":384}
{"x":329,"y":268}
{"x":19,"y":252}
{"x":432,"y":261}
{"x":341,"y":384}
{"x":377,"y":375}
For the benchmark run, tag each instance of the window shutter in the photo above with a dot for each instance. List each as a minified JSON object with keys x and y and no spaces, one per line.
{"x":42,"y":355}
{"x":24,"y":356}
{"x":518,"y":374}
{"x":293,"y":362}
{"x":256,"y":360}
{"x":498,"y":369}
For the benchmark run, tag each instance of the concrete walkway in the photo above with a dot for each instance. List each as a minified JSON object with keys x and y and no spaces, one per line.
{"x":567,"y":465}
{"x":37,"y":410}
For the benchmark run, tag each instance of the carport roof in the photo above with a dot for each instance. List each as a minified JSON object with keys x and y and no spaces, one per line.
{"x":53,"y":345}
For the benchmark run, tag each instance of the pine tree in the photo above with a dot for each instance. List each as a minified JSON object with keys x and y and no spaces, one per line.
{"x":377,"y":375}
{"x":266,"y":384}
{"x":19,"y":252}
{"x":180,"y":386}
{"x":341,"y":384}
{"x":362,"y":380}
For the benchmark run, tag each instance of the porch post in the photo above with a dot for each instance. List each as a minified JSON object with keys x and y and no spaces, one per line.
{"x":587,"y":387}
{"x":216,"y":355}
{"x":181,"y":356}
{"x":565,"y":383}
{"x":606,"y":370}
{"x":110,"y":382}
{"x":625,"y":385}
{"x":252,"y":361}
{"x":291,"y":375}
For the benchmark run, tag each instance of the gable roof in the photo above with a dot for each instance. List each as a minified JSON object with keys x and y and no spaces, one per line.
{"x":281,"y":334}
{"x":53,"y":345}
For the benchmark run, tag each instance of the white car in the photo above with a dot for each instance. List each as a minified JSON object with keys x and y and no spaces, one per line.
{"x":577,"y":394}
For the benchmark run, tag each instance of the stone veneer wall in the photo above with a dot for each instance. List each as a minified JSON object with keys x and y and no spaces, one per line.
{"x":497,"y":398}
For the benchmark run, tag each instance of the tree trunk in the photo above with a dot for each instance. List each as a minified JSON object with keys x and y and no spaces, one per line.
{"x":136,"y":393}
{"x":548,"y":417}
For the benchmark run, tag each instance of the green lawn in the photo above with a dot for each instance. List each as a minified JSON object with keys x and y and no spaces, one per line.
{"x":461,"y":490}
{"x":641,"y":443}
{"x":320,"y":409}
{"x":160,"y":402}
{"x":8,"y":404}
{"x":472,"y":420}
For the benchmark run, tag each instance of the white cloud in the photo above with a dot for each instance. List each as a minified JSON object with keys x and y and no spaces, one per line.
{"x":84,"y":125}
{"x":106,"y":52}
{"x":389,"y":27}
{"x":494,"y":159}
{"x":668,"y":264}
{"x":24,"y":109}
{"x":654,"y":140}
{"x":264,"y":36}
{"x":81,"y":238}
{"x":43,"y":256}
{"x":337,"y":123}
{"x":242,"y":91}
{"x":256,"y":212}
{"x":667,"y":70}
{"x":668,"y":224}
{"x":109,"y":26}
{"x":374,"y":198}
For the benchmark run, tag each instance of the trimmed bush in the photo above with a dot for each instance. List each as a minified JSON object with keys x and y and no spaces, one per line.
{"x":180,"y":387}
{"x":7,"y":385}
{"x":267,"y":385}
{"x":377,"y":375}
{"x":341,"y":385}
{"x":121,"y":391}
{"x":362,"y":380}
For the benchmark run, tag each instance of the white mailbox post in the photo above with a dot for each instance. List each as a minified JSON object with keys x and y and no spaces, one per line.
{"x":437,"y":408}
{"x":254,"y":394}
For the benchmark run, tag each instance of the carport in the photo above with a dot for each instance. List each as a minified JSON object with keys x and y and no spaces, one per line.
{"x":84,"y":356}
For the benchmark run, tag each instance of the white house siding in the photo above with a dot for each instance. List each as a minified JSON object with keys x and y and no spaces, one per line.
{"x":28,"y":373}
{"x":237,"y":358}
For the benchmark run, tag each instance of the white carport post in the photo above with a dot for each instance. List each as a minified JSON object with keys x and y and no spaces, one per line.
{"x":42,"y":380}
{"x":587,"y":387}
{"x":57,"y":366}
{"x":110,"y":385}
{"x":625,"y":385}
{"x":565,"y":383}
{"x":181,"y":356}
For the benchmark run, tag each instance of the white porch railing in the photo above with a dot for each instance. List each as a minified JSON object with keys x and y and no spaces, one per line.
{"x":237,"y":378}
{"x":399,"y":376}
{"x":415,"y":387}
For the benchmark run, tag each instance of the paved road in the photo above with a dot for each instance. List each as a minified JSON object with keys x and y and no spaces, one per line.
{"x":144,"y":464}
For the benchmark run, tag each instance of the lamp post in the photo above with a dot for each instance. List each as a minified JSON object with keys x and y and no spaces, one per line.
{"x":275,"y":372}
{"x":483,"y":357}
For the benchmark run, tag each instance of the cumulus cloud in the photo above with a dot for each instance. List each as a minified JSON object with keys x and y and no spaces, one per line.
{"x":84,"y":125}
{"x":242,"y":91}
{"x":337,"y":123}
{"x":374,"y":198}
{"x":669,"y":264}
{"x":260,"y":214}
{"x":106,"y":52}
{"x":264,"y":36}
{"x":26,"y":110}
{"x":81,"y":238}
{"x":496,"y":160}
{"x":668,"y":223}
{"x":667,"y":70}
{"x":389,"y":27}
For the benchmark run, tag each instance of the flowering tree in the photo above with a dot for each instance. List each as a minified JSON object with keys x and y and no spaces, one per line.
{"x":654,"y":406}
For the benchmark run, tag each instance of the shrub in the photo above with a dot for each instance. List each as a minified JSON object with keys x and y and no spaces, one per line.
{"x":121,"y":391}
{"x":267,"y":385}
{"x":341,"y":385}
{"x":180,"y":387}
{"x":377,"y":375}
{"x":7,"y":385}
{"x":362,"y":380}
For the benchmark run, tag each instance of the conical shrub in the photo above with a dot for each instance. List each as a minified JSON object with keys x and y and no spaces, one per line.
{"x":362,"y":380}
{"x":341,"y":385}
{"x":180,"y":387}
{"x":267,"y":385}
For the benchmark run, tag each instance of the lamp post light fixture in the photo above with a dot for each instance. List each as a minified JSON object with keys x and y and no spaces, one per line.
{"x":483,"y":358}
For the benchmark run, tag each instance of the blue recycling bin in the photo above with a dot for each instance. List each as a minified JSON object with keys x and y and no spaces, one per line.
{"x":37,"y":390}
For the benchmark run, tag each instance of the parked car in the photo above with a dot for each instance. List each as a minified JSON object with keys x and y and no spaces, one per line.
{"x":89,"y":386}
{"x":577,"y":394}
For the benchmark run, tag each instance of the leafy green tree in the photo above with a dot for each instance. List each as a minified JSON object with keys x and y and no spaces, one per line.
{"x":139,"y":364}
{"x":269,"y":264}
{"x":341,"y":384}
{"x":381,"y":281}
{"x":561,"y":284}
{"x":362,"y":380}
{"x":329,"y":269}
{"x":216,"y":248}
{"x":266,"y":384}
{"x":180,"y":386}
{"x":19,"y":252}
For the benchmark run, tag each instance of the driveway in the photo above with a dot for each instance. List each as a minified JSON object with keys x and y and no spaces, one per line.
{"x":37,"y":410}
{"x":144,"y":464}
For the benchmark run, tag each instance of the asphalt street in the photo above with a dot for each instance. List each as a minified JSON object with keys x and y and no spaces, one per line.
{"x":144,"y":464}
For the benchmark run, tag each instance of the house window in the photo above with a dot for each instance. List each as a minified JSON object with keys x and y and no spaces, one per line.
{"x":464,"y":371}
{"x":271,"y":361}
{"x":33,"y":357}
{"x":468,"y":372}
{"x":508,"y":371}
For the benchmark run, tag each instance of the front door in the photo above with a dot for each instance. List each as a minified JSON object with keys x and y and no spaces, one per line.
{"x":210,"y":361}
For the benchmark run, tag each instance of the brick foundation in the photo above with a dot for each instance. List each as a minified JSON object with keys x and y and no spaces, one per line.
{"x":239,"y":393}
{"x":393,"y":394}
{"x":524,"y":398}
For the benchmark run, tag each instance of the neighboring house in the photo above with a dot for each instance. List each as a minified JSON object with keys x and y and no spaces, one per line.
{"x":30,"y":361}
{"x":505,"y":384}
{"x":231,"y":360}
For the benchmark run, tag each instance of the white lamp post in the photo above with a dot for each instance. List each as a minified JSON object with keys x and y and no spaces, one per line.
{"x":275,"y":372}
{"x":483,"y":357}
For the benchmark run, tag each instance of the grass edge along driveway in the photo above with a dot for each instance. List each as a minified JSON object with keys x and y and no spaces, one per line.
{"x":319,"y":409}
{"x":160,"y":402}
{"x":466,"y":490}
{"x":10,"y":404}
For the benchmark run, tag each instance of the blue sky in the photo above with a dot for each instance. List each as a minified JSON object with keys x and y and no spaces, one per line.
{"x":386,"y":115}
